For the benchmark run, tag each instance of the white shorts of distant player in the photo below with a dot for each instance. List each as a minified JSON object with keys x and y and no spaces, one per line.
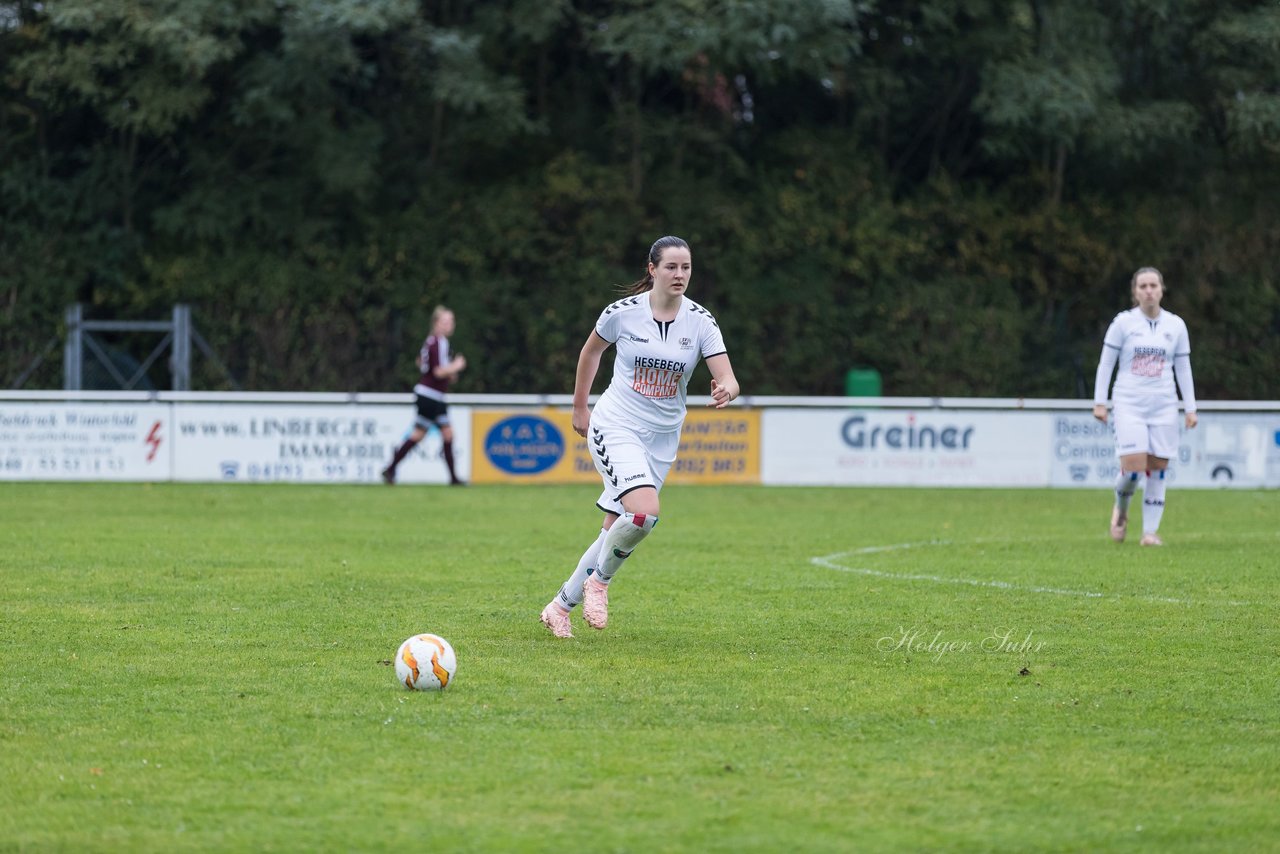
{"x":628,"y":457}
{"x":1148,"y":430}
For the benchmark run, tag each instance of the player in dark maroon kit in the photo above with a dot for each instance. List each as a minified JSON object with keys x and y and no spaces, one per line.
{"x":439,"y":369}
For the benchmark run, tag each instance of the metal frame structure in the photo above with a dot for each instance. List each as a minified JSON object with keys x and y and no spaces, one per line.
{"x":178,"y":336}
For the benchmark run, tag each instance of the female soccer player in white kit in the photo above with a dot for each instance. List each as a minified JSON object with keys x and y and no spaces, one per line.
{"x":1151,"y":346}
{"x":634,"y":431}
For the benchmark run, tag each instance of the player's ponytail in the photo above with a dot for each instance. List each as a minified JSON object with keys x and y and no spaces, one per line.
{"x":659,"y":246}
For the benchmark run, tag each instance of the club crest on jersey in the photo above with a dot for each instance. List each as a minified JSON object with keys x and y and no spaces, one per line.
{"x":686,"y":343}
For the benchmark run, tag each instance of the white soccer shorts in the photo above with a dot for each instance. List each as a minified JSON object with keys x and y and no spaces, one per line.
{"x":1135,"y":435}
{"x":628,"y":457}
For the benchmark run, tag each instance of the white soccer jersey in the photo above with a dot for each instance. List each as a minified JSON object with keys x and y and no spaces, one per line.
{"x":654,"y":360}
{"x":1146,"y":350}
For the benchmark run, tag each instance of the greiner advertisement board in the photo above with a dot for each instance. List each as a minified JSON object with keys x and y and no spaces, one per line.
{"x":904,"y":448}
{"x":957,"y":447}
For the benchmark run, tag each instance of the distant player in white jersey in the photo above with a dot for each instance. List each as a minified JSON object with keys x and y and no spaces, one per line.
{"x":1151,"y":347}
{"x":634,"y":432}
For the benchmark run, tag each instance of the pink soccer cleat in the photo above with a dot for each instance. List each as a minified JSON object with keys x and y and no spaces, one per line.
{"x":595,"y":603}
{"x":1151,"y":540}
{"x":1119,"y":524}
{"x":556,"y":619}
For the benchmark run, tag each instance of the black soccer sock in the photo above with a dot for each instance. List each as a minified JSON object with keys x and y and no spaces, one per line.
{"x":401,"y":453}
{"x":447,"y":453}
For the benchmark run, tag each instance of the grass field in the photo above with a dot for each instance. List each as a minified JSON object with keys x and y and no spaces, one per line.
{"x":206,"y":667}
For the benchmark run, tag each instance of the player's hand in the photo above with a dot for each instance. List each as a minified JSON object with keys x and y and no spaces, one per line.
{"x":581,"y":420}
{"x":1100,"y":412}
{"x":1192,"y":420}
{"x":459,"y":363}
{"x":721,"y":395}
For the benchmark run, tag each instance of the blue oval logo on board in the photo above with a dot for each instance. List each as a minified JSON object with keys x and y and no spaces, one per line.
{"x":524,"y":444}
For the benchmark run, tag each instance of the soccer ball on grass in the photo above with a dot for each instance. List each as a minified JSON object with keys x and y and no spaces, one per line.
{"x":426,"y":663}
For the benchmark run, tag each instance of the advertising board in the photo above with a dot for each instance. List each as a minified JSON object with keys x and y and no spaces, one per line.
{"x":327,"y":438}
{"x":84,"y":441}
{"x":307,"y":443}
{"x":904,"y":447}
{"x":539,"y":446}
{"x":1224,"y":449}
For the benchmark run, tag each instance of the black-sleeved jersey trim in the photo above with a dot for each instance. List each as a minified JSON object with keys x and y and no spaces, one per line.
{"x":1112,"y":346}
{"x":713,"y":355}
{"x":602,"y":338}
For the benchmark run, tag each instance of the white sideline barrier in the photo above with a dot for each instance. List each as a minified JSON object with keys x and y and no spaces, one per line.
{"x":308,"y":442}
{"x":817,"y":441}
{"x":982,"y":447}
{"x":64,"y":440}
{"x":273,"y":438}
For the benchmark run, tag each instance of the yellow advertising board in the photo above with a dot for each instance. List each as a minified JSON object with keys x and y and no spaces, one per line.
{"x":718,"y":446}
{"x":528,"y":446}
{"x":539,"y":446}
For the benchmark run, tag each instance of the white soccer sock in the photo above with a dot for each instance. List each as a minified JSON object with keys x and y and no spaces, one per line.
{"x":1153,"y":502}
{"x":1126,"y":485}
{"x":571,"y":591}
{"x":624,"y":536}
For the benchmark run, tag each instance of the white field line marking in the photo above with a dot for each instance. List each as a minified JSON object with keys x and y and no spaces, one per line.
{"x":832,"y":561}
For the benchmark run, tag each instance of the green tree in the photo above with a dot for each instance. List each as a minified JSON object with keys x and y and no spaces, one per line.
{"x":953,"y":191}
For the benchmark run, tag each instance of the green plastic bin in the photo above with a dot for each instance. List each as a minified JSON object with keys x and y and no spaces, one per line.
{"x":862,"y":382}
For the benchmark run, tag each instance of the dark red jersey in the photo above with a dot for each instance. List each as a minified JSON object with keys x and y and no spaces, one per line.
{"x":435,"y":354}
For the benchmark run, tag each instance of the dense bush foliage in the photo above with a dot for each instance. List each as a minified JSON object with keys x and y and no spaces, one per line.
{"x":954,"y":192}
